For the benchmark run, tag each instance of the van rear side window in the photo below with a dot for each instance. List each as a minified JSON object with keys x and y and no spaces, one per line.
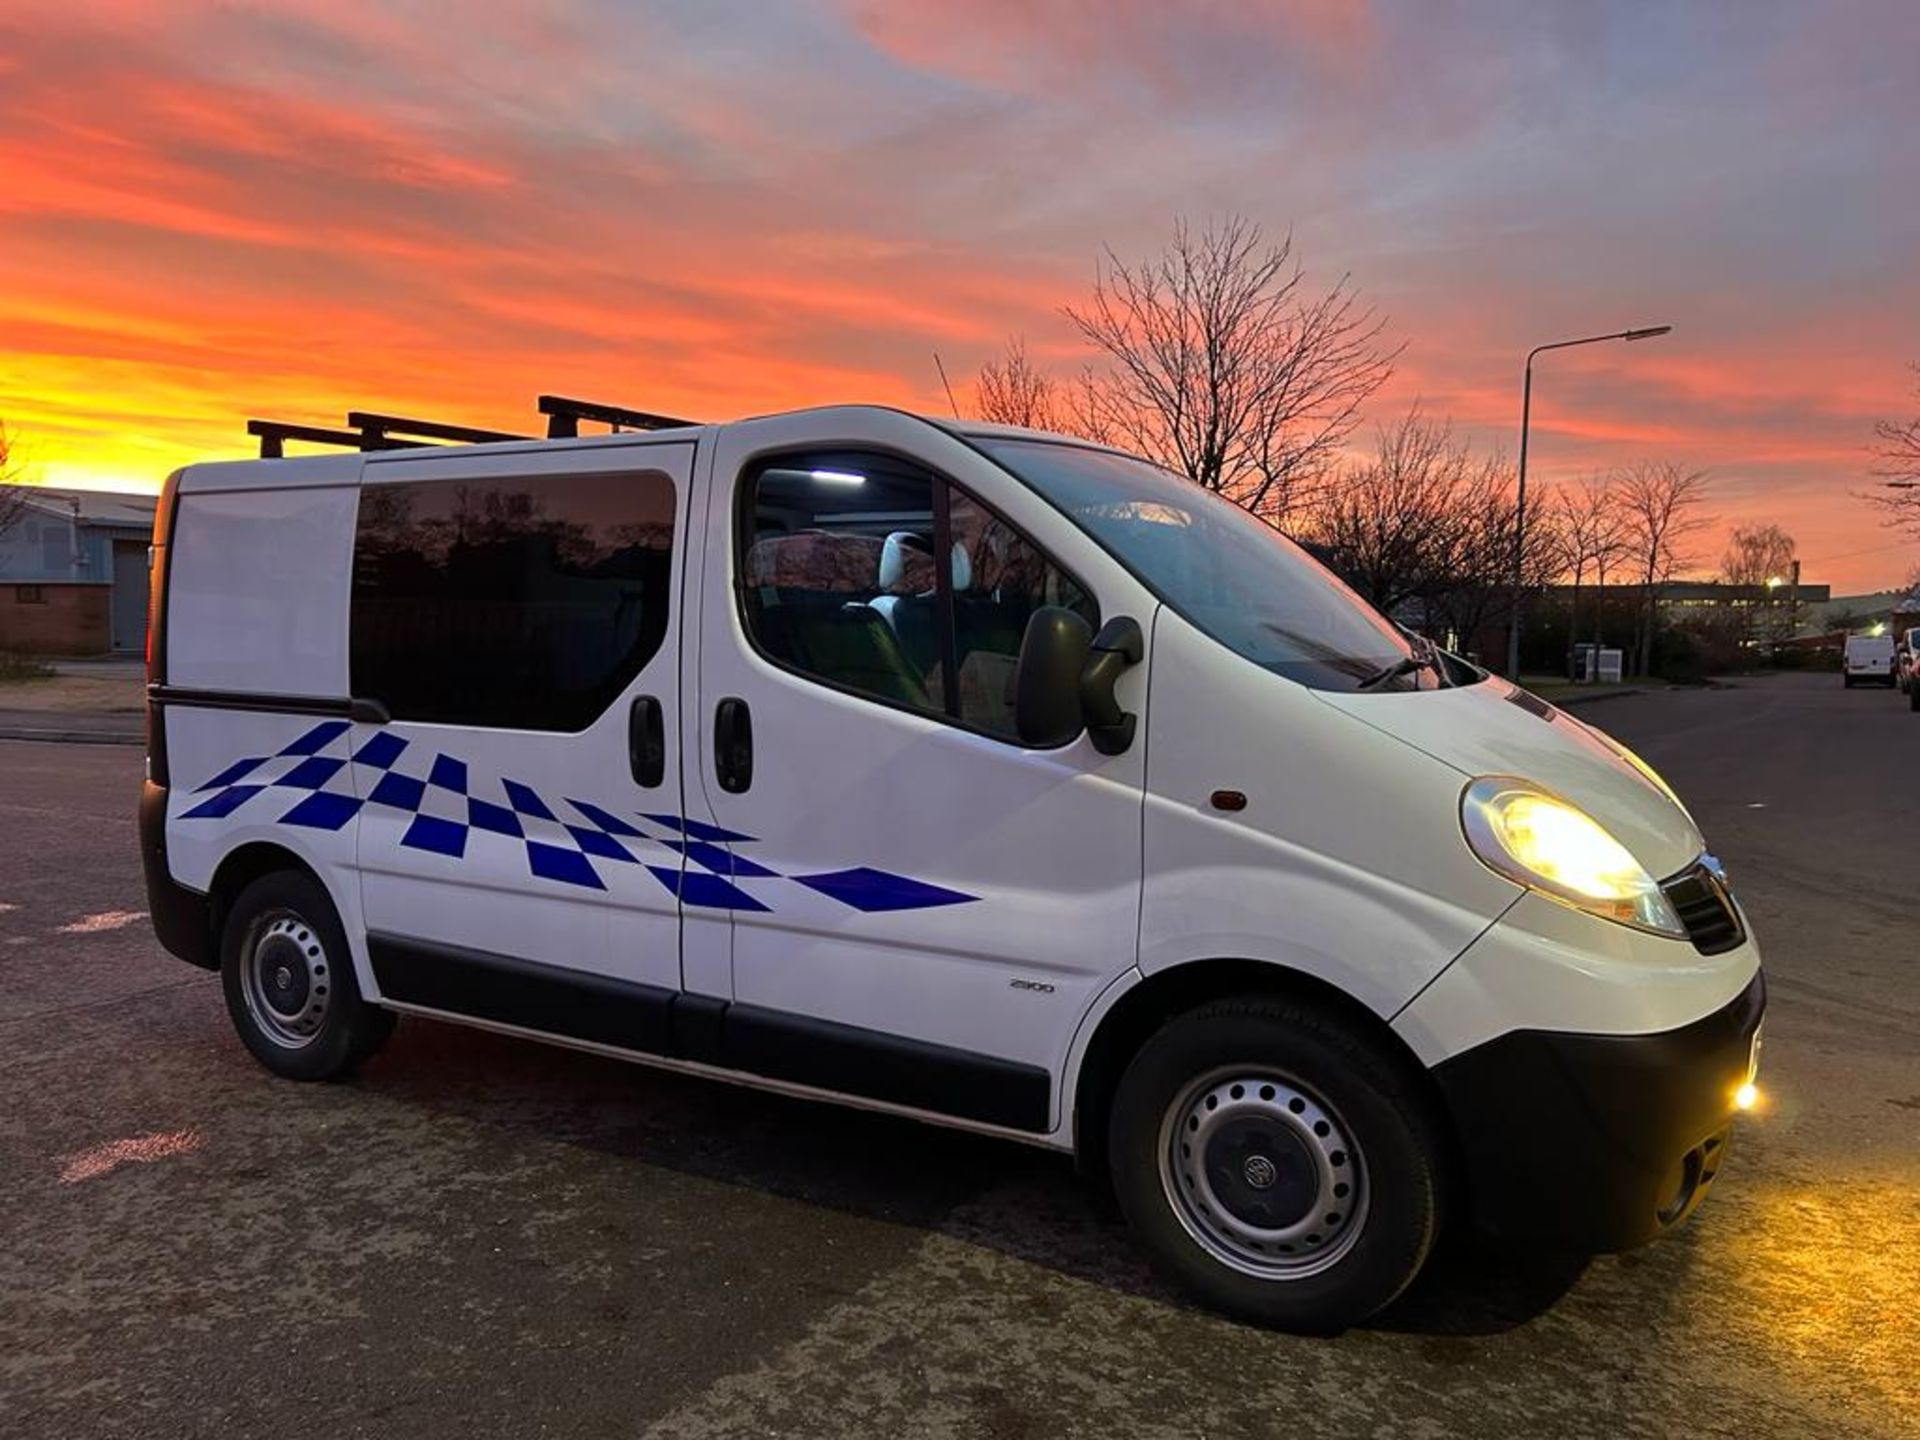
{"x":524,"y":603}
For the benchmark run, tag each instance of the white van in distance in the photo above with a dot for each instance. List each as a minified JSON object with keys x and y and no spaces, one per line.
{"x":974,"y":774}
{"x":1869,"y":657}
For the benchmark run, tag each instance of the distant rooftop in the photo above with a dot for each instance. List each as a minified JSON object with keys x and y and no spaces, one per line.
{"x":94,"y":507}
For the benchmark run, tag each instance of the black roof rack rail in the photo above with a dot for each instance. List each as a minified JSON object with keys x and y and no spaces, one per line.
{"x":564,"y":416}
{"x":274,"y":434}
{"x":383,"y":427}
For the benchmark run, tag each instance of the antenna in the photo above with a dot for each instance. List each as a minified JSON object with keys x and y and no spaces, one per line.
{"x":943,"y":382}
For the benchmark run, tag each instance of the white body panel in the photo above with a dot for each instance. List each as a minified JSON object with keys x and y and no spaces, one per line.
{"x":519,"y":803}
{"x":1041,"y":848}
{"x":1547,"y":967}
{"x":1346,"y":864}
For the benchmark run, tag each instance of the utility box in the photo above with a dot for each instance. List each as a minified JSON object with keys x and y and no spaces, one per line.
{"x":1595,"y":664}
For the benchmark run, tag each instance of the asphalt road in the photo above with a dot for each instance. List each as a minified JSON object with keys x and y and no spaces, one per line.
{"x":480,"y":1236}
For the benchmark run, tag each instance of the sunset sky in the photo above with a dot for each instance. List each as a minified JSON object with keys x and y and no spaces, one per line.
{"x":210,"y":211}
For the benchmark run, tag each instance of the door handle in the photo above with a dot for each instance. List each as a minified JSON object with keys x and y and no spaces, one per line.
{"x":733,"y":745}
{"x":646,"y":741}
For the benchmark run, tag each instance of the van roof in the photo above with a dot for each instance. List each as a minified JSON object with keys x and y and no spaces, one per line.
{"x":370,"y":435}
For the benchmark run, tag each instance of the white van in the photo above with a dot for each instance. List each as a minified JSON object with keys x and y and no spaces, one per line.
{"x":968,"y":773}
{"x":1869,"y":657}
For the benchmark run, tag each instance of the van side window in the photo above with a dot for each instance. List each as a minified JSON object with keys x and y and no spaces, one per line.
{"x":521,"y":603}
{"x":840,"y":581}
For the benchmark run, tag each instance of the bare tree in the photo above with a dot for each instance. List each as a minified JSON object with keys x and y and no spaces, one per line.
{"x":1591,"y":530}
{"x":1661,"y":503}
{"x":13,"y":495}
{"x":1388,"y":523}
{"x":1425,"y":527}
{"x":1760,"y":557}
{"x":1010,"y":391}
{"x":1898,"y":451}
{"x":1222,"y":365}
{"x":1756,"y":554}
{"x":1474,"y":590}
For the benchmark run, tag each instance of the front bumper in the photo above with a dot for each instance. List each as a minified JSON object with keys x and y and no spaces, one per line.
{"x":1598,"y":1142}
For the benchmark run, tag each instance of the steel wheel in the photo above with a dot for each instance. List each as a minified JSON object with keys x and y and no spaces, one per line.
{"x":1262,"y":1173}
{"x":285,"y":979}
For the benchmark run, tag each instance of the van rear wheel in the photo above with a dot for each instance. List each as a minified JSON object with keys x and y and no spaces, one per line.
{"x":288,"y":978}
{"x":1277,"y":1164}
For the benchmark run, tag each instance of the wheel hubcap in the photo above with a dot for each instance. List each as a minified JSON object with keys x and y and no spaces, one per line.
{"x":1262,"y":1173}
{"x":287,"y":985}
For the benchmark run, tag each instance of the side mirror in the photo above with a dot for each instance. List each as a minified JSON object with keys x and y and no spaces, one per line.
{"x":1046,"y":677}
{"x":1063,"y":681}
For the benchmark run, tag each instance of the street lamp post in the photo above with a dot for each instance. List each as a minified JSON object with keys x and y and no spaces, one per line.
{"x":1645,"y":332}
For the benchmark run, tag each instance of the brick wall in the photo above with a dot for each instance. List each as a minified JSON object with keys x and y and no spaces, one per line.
{"x":66,"y":620}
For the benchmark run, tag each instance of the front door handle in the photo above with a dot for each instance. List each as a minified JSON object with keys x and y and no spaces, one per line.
{"x":647,"y":741}
{"x":733,"y":745}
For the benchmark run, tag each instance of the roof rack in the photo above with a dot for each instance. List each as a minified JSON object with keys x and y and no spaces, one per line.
{"x":382,"y":427}
{"x":564,"y":417}
{"x":371,"y":430}
{"x":274,"y":434}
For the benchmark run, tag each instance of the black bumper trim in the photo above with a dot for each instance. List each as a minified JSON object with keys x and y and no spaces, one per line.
{"x":182,"y":918}
{"x":1578,"y":1140}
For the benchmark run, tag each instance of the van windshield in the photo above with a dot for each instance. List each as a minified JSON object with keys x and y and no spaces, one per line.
{"x":1232,"y":575}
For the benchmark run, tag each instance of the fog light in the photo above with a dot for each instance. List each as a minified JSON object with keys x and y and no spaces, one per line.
{"x":1746,"y":1097}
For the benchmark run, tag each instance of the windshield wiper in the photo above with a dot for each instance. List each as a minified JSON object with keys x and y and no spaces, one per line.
{"x":1424,"y":657}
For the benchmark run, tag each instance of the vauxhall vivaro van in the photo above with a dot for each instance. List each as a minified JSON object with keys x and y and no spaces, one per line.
{"x":974,"y":774}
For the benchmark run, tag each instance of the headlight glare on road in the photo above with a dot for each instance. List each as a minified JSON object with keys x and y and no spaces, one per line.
{"x":1540,"y":841}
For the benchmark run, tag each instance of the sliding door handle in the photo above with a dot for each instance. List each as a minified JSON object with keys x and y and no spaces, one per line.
{"x":647,"y":741}
{"x":733,"y":745}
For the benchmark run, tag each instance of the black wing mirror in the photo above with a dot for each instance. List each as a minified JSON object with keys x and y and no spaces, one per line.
{"x":1063,"y":681}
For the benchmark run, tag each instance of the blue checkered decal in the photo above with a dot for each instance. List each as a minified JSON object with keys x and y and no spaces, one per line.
{"x":564,"y":843}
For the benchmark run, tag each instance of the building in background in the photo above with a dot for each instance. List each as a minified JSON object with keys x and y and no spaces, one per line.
{"x":73,"y":572}
{"x":1684,"y":600}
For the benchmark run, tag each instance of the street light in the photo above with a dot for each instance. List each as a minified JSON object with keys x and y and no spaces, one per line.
{"x":1645,"y":332}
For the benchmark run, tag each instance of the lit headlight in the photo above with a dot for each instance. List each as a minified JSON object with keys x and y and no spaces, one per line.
{"x":1542,"y":842}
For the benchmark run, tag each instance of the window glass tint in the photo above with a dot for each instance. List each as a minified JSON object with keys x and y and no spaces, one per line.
{"x":999,"y":579}
{"x":842,"y":582}
{"x":524,"y":603}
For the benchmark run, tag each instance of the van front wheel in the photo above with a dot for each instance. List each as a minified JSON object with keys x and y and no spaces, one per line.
{"x":1275,"y":1163}
{"x":289,"y":981}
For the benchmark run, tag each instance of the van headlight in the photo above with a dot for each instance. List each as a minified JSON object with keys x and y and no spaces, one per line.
{"x":1542,"y":842}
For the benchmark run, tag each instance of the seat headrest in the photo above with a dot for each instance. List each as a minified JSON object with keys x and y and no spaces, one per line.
{"x":906,"y":565}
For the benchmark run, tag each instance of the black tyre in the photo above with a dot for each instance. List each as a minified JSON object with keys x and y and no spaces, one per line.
{"x":1913,"y":696}
{"x":1847,"y":681}
{"x":289,"y":981}
{"x":1279,"y":1165}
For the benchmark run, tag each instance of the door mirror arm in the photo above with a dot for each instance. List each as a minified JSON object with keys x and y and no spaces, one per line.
{"x":1064,"y":679}
{"x":1118,"y":646}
